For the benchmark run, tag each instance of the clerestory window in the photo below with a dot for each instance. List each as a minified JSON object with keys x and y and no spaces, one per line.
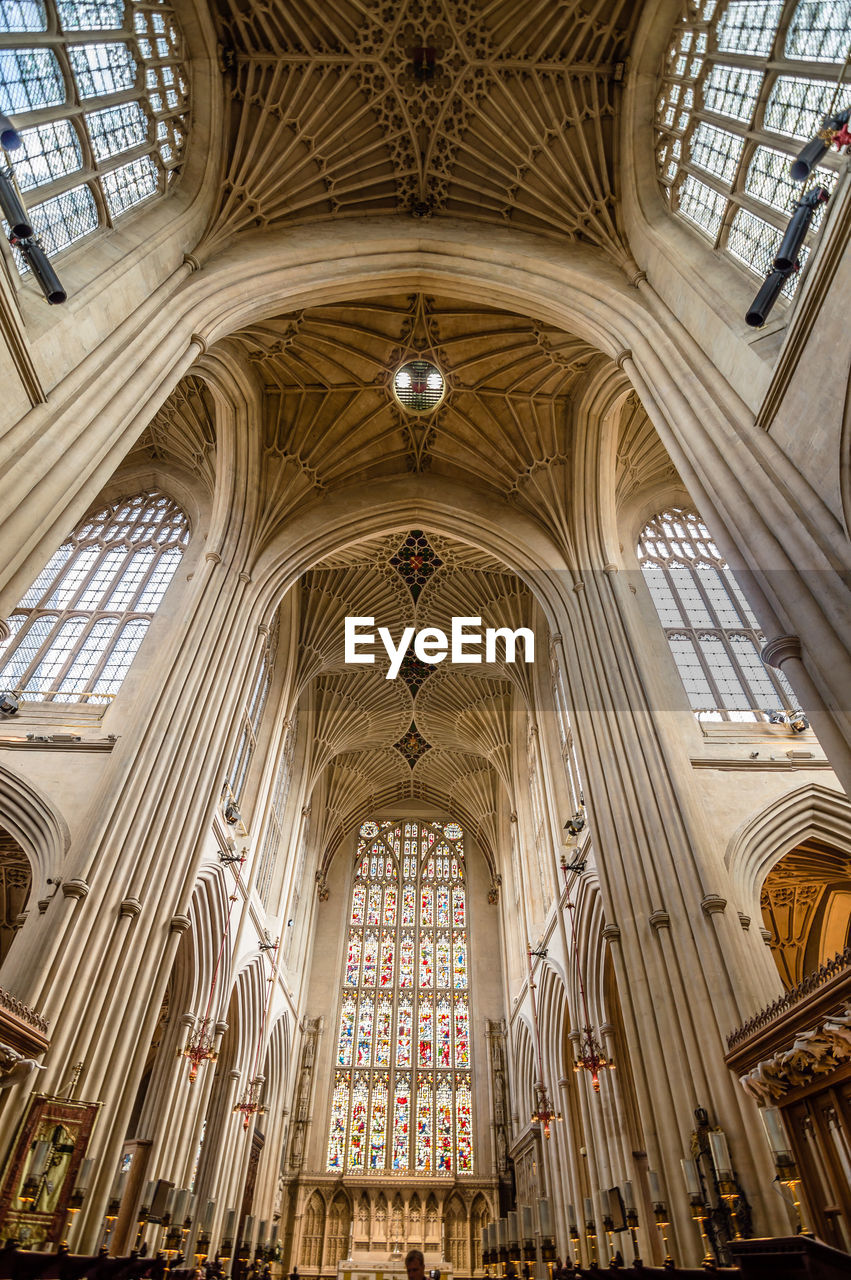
{"x":713,"y":635}
{"x":402,"y":1098}
{"x":77,"y":629}
{"x":744,"y":85}
{"x":99,"y":93}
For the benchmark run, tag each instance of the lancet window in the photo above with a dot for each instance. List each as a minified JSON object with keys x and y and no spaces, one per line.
{"x":744,"y":85}
{"x":713,"y":635}
{"x":402,"y":1095}
{"x":100,"y":96}
{"x":77,"y":629}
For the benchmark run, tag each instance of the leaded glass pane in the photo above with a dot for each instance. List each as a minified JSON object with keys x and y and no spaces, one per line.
{"x":130,"y":184}
{"x":121,"y":655}
{"x":89,"y":575}
{"x":732,"y":91}
{"x":401,"y":1122}
{"x":125,"y":592}
{"x":68,"y":584}
{"x":117,"y":129}
{"x":347,"y":1030}
{"x":748,"y":26}
{"x":364,"y":1044}
{"x":425,"y":1124}
{"x":29,"y":79}
{"x":378,"y":1123}
{"x":763,"y":690}
{"x":715,"y":590}
{"x":768,"y":179}
{"x":48,"y":575}
{"x":65,"y":218}
{"x":339,"y":1111}
{"x":158,"y":582}
{"x":413,"y":949}
{"x":682,"y":577}
{"x":464,"y":1126}
{"x":819,"y":30}
{"x":721,"y":670}
{"x":663,"y":596}
{"x":442,"y":961}
{"x":47,"y":152}
{"x":56,"y":657}
{"x":701,"y":204}
{"x":23,"y":15}
{"x":90,"y":15}
{"x":357,"y":1130}
{"x":26,"y":649}
{"x":102,"y":69}
{"x":755,"y":242}
{"x":692,"y":674}
{"x":797,"y":105}
{"x":716,"y":150}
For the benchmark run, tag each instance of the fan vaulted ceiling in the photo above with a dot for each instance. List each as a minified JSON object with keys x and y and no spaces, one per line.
{"x":482,"y":109}
{"x":436,"y":734}
{"x":331,"y":419}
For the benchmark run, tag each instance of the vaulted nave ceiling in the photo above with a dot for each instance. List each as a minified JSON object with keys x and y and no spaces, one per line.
{"x":331,"y":418}
{"x":437,"y":734}
{"x":487,"y":110}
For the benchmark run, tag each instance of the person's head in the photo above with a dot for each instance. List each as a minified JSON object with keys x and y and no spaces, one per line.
{"x":415,"y":1264}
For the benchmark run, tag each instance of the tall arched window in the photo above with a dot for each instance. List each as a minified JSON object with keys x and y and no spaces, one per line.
{"x":100,"y":98}
{"x":714,"y":636}
{"x":744,"y":85}
{"x":402,"y":1097}
{"x":77,"y":629}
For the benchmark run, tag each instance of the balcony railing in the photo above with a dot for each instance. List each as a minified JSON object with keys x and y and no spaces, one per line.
{"x":813,"y":982}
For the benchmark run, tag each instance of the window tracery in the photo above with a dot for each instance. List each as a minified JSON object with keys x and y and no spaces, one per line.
{"x":713,"y":635}
{"x":744,"y":85}
{"x":402,"y":1097}
{"x":77,"y":629}
{"x":100,"y":96}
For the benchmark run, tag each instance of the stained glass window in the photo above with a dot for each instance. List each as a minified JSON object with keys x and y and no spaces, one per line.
{"x":402,"y":1097}
{"x":78,"y":628}
{"x":82,"y":167}
{"x":713,"y":635}
{"x":726,"y":134}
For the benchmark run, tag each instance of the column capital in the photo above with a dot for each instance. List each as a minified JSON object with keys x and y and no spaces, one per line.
{"x":611,"y":932}
{"x":74,"y":889}
{"x":713,"y":904}
{"x":130,"y":907}
{"x":659,"y":920}
{"x":780,"y":649}
{"x":179,"y":924}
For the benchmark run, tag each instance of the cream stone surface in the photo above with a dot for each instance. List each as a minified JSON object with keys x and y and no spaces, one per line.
{"x":233,"y":345}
